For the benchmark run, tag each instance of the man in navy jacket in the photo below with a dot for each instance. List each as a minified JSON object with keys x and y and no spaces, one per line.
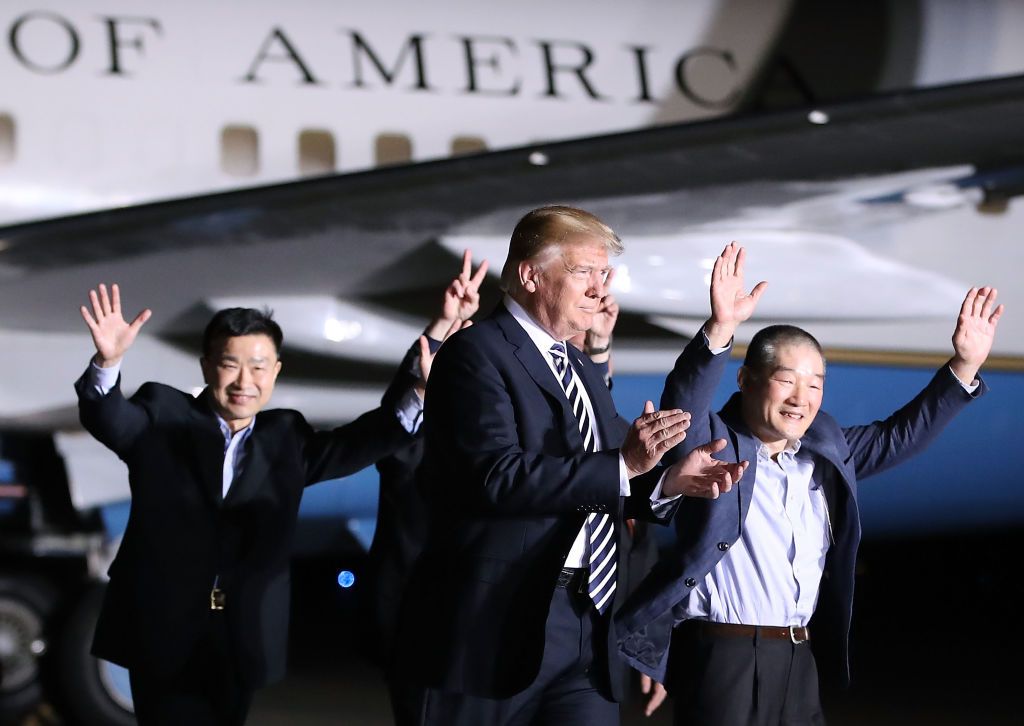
{"x":735,"y":599}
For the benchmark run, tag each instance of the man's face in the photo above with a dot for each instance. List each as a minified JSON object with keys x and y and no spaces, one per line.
{"x":567,"y":287}
{"x":240,"y":376}
{"x":780,"y":405}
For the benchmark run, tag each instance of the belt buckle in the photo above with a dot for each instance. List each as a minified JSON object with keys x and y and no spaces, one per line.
{"x":217,"y":599}
{"x":792,"y":635}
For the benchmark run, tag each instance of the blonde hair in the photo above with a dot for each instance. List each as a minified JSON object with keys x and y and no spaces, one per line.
{"x":546,"y":228}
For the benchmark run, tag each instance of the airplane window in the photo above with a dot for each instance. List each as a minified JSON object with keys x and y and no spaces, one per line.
{"x":316,"y":152}
{"x":467,"y":145}
{"x":239,"y":151}
{"x":6,"y":139}
{"x":393,"y":149}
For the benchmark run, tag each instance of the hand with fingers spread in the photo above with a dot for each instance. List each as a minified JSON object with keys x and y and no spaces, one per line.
{"x":730,"y":303}
{"x":111,"y":333}
{"x":650,"y":436}
{"x":699,"y":474}
{"x":461,"y":297}
{"x":975,"y":332}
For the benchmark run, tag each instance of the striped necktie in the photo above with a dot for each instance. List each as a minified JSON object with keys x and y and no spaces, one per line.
{"x":600,"y":528}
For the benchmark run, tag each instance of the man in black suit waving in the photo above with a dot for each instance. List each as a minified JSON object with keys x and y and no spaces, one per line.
{"x":530,"y":472}
{"x":197,"y":606}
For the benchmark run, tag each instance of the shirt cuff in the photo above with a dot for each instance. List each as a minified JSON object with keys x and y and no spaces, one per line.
{"x":103,"y":379}
{"x":432,"y":345}
{"x":410,"y":411}
{"x":623,"y":477}
{"x":969,"y":387}
{"x":658,"y":502}
{"x":714,"y":351}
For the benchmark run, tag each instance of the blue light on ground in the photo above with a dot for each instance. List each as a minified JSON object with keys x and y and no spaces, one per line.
{"x":346,"y":579}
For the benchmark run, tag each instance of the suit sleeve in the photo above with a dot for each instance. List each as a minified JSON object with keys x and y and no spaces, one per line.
{"x":690,"y":386}
{"x":352,"y":447}
{"x":113,"y":420}
{"x":473,"y":442}
{"x":365,"y":441}
{"x":881,"y":445}
{"x":406,"y":375}
{"x":399,"y":466}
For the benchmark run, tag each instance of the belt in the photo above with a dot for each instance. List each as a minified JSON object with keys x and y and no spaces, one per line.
{"x":217,"y":597}
{"x":791,"y":633}
{"x":573,"y":579}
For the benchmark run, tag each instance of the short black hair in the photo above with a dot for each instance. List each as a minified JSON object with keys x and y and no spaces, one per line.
{"x":764,"y":346}
{"x":233,"y":322}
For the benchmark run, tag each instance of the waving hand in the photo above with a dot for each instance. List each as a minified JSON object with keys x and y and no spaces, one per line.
{"x":975,"y":332}
{"x":730,"y":303}
{"x":111,"y":334}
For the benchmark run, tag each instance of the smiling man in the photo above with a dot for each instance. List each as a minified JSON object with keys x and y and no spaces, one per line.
{"x":736,"y":597}
{"x":197,"y":605}
{"x":529,"y":473}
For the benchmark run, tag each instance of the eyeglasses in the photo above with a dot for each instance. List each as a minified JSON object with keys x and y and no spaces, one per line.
{"x":589,"y":273}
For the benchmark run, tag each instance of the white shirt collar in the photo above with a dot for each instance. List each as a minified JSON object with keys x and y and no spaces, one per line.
{"x":226,"y":430}
{"x":792,"y":449}
{"x":540,"y":337}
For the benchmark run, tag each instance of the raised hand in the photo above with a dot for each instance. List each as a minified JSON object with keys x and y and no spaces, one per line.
{"x":462,"y":297}
{"x":730,"y":303}
{"x":427,"y":358}
{"x":975,"y":332}
{"x":600,"y":334}
{"x":111,"y":334}
{"x":699,"y":474}
{"x":650,"y":436}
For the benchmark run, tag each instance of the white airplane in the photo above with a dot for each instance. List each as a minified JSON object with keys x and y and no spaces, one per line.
{"x":332,"y":160}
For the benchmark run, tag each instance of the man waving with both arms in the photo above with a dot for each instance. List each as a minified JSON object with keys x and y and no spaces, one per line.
{"x":766,"y":570}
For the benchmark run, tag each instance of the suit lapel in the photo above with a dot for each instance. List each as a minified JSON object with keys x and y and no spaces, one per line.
{"x":746,"y":445}
{"x":255,"y":468}
{"x":532,"y":360}
{"x":208,"y":446}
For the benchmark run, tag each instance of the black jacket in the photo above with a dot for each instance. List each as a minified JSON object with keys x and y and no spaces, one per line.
{"x":181,"y":533}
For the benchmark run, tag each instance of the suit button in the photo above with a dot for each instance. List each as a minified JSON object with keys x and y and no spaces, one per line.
{"x":690,"y":582}
{"x":723,"y":546}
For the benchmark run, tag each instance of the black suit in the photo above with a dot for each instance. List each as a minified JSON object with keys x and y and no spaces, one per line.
{"x":509,"y":486}
{"x":182,"y":533}
{"x":398,"y":537}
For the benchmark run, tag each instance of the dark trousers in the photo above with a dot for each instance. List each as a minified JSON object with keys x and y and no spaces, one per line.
{"x":206,"y":692}
{"x":407,"y":701}
{"x":742,"y":681}
{"x":569,"y":689}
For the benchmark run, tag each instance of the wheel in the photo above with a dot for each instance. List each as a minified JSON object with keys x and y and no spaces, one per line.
{"x":94,"y":692}
{"x":25,"y":605}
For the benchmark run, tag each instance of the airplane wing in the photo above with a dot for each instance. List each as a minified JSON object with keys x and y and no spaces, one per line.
{"x":870,"y":218}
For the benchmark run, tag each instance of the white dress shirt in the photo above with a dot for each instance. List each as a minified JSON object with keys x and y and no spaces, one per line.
{"x":771,"y":575}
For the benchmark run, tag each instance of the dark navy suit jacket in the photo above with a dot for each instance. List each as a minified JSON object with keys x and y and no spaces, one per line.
{"x":706,"y":529}
{"x":509,"y":486}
